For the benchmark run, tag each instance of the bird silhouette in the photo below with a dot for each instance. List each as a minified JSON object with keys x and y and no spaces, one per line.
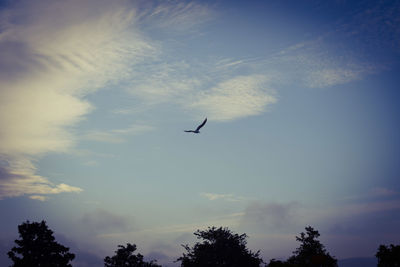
{"x":198,"y":128}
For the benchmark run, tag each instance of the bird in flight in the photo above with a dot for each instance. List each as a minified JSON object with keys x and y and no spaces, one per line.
{"x":198,"y":128}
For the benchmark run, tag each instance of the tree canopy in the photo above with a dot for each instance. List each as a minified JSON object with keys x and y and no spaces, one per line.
{"x":220,"y":247}
{"x":278,"y":263}
{"x":311,"y":252}
{"x":124,"y":257}
{"x":37,"y":247}
{"x":388,"y":256}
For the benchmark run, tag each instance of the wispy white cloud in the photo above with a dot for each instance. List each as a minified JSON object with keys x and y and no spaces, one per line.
{"x":126,"y":111}
{"x":208,"y":87}
{"x":329,"y":77}
{"x":216,"y":88}
{"x":160,"y":82}
{"x":317,"y":64}
{"x":226,"y":197}
{"x":238,"y":97}
{"x":228,"y":63}
{"x":353,"y":49}
{"x":117,"y":135}
{"x":20,"y":179}
{"x":38,"y":197}
{"x":175,"y":15}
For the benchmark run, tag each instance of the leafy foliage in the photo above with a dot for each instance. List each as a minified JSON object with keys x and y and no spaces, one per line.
{"x":388,"y":256}
{"x":37,"y":247}
{"x":311,"y":252}
{"x":220,"y":248}
{"x":124,"y":257}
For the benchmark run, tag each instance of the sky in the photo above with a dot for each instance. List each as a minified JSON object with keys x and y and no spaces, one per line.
{"x":302,"y":101}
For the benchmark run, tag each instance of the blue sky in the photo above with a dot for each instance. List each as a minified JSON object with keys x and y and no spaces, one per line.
{"x":302,"y":106}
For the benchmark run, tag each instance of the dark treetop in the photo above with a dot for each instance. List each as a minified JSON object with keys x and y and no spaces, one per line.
{"x":220,"y":247}
{"x":37,"y":247}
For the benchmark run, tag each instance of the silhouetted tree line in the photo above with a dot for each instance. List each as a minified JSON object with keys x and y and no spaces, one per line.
{"x":219,"y":248}
{"x":388,"y":256}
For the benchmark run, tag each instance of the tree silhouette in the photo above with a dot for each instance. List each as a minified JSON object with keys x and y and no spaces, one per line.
{"x":37,"y":247}
{"x":278,"y":263}
{"x":311,"y":252}
{"x":124,"y":257}
{"x":388,"y":256}
{"x":220,"y":248}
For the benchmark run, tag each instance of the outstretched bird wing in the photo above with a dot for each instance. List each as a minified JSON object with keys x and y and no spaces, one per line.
{"x":201,"y":125}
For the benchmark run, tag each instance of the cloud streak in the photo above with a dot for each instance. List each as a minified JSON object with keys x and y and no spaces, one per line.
{"x":19,"y":178}
{"x":116,"y":135}
{"x":317,"y":64}
{"x":226,"y":197}
{"x":175,"y":15}
{"x":234,"y":98}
